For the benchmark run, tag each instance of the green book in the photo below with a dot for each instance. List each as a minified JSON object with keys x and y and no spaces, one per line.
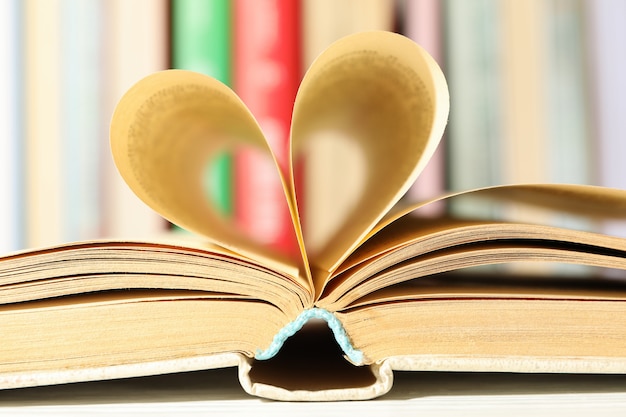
{"x":473,"y":70}
{"x":201,"y":42}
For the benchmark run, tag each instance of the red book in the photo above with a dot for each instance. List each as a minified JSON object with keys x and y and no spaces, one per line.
{"x":266,"y":77}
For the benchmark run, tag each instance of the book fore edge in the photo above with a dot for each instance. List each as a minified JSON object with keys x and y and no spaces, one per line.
{"x":354,"y":355}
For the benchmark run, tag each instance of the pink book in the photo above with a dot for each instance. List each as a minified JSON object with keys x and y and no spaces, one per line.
{"x":423,"y":25}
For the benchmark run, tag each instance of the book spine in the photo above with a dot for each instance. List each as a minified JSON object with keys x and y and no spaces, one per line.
{"x":607,"y":39}
{"x":80,"y":118}
{"x":423,"y":24}
{"x":201,"y":32}
{"x":474,"y":76}
{"x":266,"y":77}
{"x":44,"y":185}
{"x":11,"y":38}
{"x":136,"y":34}
{"x":525,"y":122}
{"x":607,"y":35}
{"x":569,"y":142}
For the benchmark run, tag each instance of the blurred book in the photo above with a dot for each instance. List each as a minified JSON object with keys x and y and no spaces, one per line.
{"x":524,"y":151}
{"x":201,"y":41}
{"x":266,"y":77}
{"x":136,"y":35}
{"x":11,"y":81}
{"x":567,"y":94}
{"x":607,"y":39}
{"x":81,"y":117}
{"x":474,"y":74}
{"x":423,"y":22}
{"x":44,"y":186}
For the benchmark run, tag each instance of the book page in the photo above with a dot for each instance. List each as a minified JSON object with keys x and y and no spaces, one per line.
{"x":53,"y":337}
{"x":129,"y":266}
{"x":384,"y":101}
{"x":166,"y":130}
{"x":378,"y":93}
{"x":411,"y":247}
{"x":476,"y":285}
{"x":502,"y":332}
{"x":587,"y":201}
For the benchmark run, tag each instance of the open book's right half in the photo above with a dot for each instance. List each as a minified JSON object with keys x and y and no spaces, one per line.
{"x":527,"y":283}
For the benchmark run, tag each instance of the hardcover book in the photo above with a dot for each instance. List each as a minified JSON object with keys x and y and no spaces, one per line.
{"x":385,"y":290}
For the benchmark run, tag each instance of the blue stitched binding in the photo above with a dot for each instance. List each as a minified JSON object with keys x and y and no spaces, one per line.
{"x":356,"y":356}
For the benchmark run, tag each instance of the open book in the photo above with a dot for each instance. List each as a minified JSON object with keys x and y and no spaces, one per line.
{"x":385,"y":289}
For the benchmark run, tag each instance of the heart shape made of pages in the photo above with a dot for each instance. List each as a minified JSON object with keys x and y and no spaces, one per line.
{"x":373,"y":101}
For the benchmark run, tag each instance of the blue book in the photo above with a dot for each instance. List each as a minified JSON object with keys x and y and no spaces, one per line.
{"x":81,"y":117}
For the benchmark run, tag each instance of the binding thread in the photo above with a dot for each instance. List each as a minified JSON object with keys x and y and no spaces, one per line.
{"x":355,"y":356}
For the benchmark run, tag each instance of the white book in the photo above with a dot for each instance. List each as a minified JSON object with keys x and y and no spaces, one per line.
{"x":137,"y":45}
{"x":44,"y":207}
{"x":607,"y":40}
{"x":81,"y":43}
{"x":10,"y":114}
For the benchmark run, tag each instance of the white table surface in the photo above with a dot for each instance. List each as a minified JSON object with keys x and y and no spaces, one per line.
{"x":217,"y":392}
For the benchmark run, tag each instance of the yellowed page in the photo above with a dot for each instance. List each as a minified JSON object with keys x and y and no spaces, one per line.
{"x":166,"y":264}
{"x":388,"y":100}
{"x":366,"y":292}
{"x":380,"y":91}
{"x":466,"y":245}
{"x":164,"y":132}
{"x":142,"y":328}
{"x":494,"y":285}
{"x":599,"y":203}
{"x":329,"y":197}
{"x":500,"y":331}
{"x":400,"y":236}
{"x":592,"y":202}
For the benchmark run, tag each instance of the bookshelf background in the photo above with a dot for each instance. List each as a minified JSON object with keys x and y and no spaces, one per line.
{"x":537,"y":94}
